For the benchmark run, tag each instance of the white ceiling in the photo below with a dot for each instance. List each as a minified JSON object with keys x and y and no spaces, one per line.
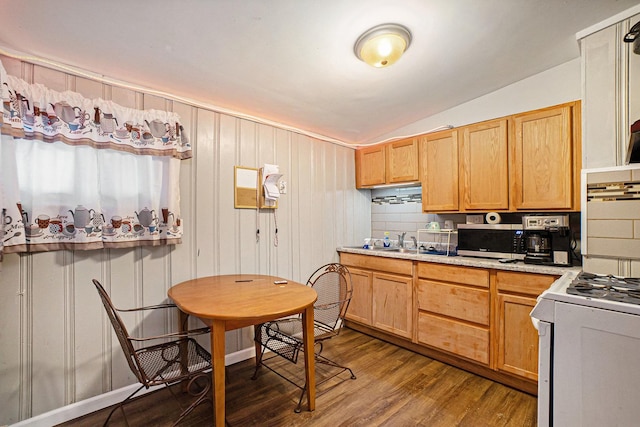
{"x":292,"y":61}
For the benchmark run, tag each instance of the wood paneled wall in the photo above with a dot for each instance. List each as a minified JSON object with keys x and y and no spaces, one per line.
{"x":56,"y":345}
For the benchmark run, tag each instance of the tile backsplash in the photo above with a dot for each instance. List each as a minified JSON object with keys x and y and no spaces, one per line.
{"x":399,"y":210}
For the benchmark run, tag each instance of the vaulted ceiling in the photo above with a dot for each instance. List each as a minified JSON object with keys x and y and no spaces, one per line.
{"x":292,"y":61}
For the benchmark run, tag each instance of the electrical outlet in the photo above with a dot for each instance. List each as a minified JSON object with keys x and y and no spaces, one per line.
{"x":283,"y":187}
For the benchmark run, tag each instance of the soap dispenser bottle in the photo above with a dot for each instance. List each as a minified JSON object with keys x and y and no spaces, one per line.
{"x":387,"y":242}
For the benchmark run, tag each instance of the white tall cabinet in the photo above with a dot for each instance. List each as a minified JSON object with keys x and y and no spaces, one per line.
{"x":610,"y":105}
{"x":611,"y":77}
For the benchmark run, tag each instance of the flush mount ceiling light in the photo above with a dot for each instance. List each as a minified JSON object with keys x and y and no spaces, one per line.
{"x":383,"y":44}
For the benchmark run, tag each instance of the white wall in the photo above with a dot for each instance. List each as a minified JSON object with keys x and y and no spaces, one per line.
{"x":56,"y":346}
{"x":551,"y":87}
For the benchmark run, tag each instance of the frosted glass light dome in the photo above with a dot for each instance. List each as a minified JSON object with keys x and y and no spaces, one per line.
{"x":382,"y":45}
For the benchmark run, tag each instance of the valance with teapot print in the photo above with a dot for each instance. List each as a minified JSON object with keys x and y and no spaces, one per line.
{"x":82,"y":174}
{"x":32,"y":111}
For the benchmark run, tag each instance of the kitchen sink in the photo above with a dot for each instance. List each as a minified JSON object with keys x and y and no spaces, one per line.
{"x":373,"y":248}
{"x":422,"y":251}
{"x":400,"y":250}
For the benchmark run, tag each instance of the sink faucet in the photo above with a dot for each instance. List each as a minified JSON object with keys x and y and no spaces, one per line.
{"x":401,"y":239}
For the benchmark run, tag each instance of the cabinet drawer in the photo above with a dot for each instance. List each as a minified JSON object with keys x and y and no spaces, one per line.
{"x":461,"y":302}
{"x":451,"y":273}
{"x":524,"y":283}
{"x":372,"y":262}
{"x":455,"y":337}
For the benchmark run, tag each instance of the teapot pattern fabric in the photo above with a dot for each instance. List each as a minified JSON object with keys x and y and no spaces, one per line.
{"x":34,"y":114}
{"x":32,"y":111}
{"x":83,"y":228}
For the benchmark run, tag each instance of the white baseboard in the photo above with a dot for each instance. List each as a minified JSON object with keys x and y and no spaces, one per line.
{"x":92,"y":404}
{"x":84,"y":407}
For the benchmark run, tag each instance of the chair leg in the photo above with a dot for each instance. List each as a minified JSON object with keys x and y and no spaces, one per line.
{"x":121,"y":407}
{"x":201,"y":395}
{"x":299,"y":407}
{"x":323,"y":360}
{"x":259,"y":355}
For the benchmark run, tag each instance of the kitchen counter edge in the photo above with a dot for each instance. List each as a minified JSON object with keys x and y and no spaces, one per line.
{"x":466,"y":261}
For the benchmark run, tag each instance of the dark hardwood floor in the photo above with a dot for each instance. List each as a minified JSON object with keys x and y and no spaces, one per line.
{"x":394,"y":387}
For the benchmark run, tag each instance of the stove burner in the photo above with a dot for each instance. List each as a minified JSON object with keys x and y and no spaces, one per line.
{"x":609,"y":287}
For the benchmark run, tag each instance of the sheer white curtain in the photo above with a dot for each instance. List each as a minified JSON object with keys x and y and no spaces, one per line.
{"x":77,"y":180}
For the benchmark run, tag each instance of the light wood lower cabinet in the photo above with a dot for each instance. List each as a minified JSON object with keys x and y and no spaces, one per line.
{"x":360,"y":306}
{"x":382,"y":293}
{"x":516,"y":338}
{"x":393,"y":303}
{"x":475,"y":318}
{"x":454,"y":310}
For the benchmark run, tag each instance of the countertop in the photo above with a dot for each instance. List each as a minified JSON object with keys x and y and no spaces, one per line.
{"x":465,"y":261}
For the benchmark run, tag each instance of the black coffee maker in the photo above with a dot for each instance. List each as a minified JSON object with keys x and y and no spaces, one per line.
{"x":547,"y":239}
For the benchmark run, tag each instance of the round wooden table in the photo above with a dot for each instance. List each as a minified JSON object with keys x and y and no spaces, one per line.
{"x":238,"y":300}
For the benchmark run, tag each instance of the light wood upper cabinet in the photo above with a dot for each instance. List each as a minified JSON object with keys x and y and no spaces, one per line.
{"x":439,"y":171}
{"x":525,"y":162}
{"x":370,"y":166}
{"x":544,"y":157}
{"x":402,"y":161}
{"x":483,"y":166}
{"x":392,"y":163}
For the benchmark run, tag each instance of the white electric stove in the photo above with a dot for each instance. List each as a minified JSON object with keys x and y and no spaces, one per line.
{"x":589,"y":349}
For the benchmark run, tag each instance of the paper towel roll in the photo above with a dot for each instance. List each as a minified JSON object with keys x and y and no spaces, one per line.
{"x":493,"y":218}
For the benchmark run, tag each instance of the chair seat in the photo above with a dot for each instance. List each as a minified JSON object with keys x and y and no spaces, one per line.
{"x":284,"y":336}
{"x":163,"y":362}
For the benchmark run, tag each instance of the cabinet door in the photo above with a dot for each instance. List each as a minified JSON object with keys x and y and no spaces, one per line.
{"x":543,"y":167}
{"x":439,"y":171}
{"x":393,"y":304}
{"x":360,"y":306}
{"x":484,"y":168}
{"x":517,"y":338}
{"x":402,"y":161}
{"x":370,"y":166}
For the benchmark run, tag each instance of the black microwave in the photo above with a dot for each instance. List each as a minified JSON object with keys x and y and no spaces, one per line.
{"x":492,"y":240}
